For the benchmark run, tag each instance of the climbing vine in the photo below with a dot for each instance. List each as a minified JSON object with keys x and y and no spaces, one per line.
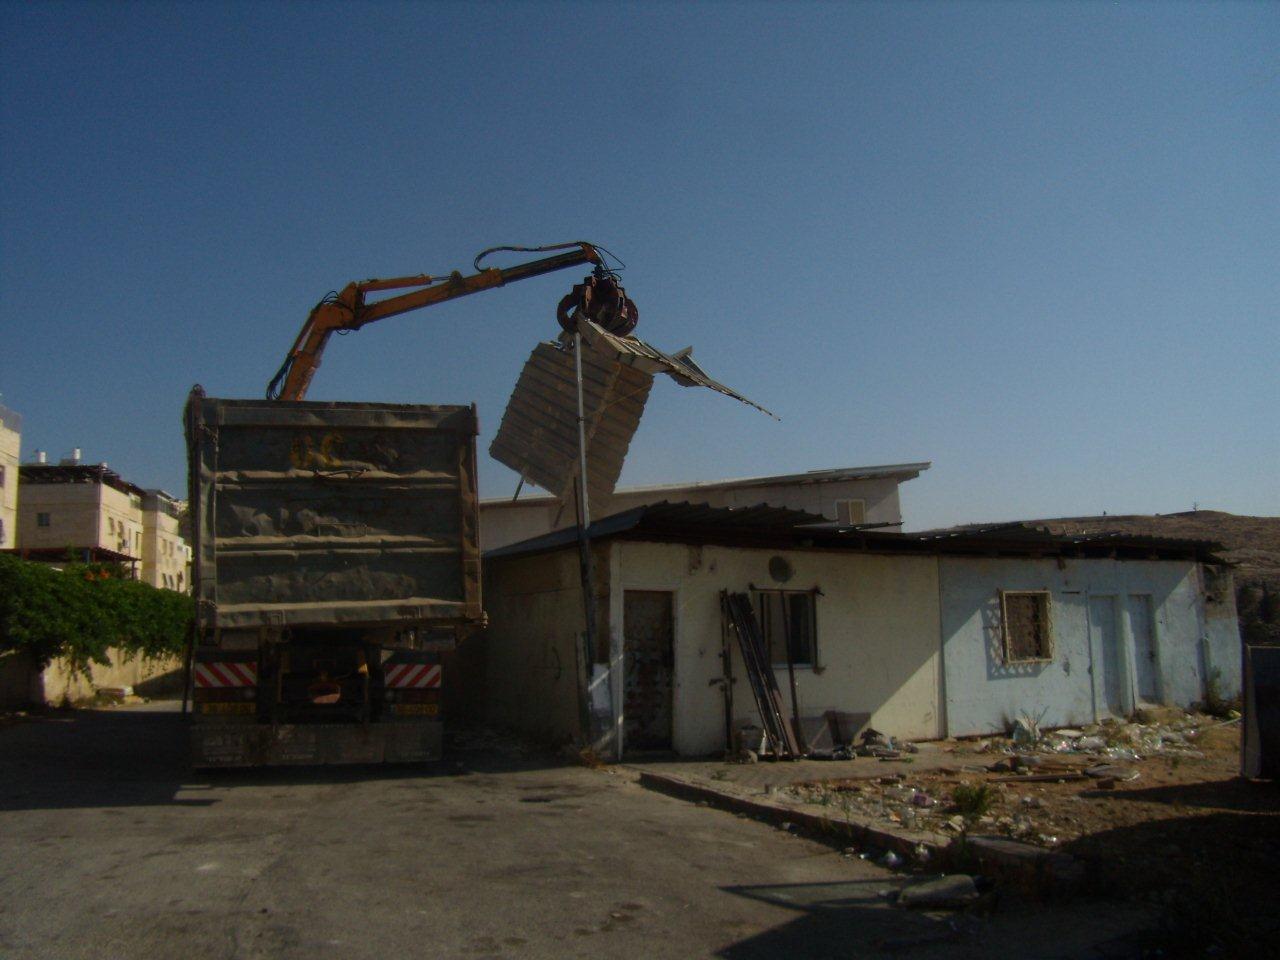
{"x":79,"y":612}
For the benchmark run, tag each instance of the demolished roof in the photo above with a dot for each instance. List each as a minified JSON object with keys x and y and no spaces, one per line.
{"x":776,"y":528}
{"x":538,"y":436}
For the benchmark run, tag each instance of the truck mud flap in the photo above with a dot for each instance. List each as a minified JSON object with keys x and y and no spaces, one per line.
{"x":253,"y":745}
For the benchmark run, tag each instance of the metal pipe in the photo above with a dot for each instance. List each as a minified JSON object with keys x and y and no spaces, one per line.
{"x":791,"y":673}
{"x":584,"y":553}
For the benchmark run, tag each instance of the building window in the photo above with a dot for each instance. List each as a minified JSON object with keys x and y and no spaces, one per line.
{"x":1,"y":475}
{"x":1025,"y":615}
{"x":788,"y":612}
{"x":42,"y":519}
{"x":851,"y":513}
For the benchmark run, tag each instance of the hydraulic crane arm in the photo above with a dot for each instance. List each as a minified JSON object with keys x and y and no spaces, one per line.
{"x":348,"y":311}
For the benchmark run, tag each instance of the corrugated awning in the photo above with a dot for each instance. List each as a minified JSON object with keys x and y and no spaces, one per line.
{"x":775,"y":527}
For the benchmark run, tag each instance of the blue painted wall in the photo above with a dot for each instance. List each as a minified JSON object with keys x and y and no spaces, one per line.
{"x":983,"y":693}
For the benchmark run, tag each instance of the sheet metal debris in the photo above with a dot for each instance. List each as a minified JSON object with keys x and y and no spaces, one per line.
{"x":538,"y":435}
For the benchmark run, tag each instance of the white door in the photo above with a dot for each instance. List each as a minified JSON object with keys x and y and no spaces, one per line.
{"x":1145,"y":666}
{"x":1109,"y":666}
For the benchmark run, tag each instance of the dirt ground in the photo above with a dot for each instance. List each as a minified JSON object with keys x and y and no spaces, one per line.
{"x":1187,"y":834}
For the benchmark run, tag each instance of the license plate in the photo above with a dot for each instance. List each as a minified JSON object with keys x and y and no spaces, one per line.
{"x":417,"y":709}
{"x":232,"y":707}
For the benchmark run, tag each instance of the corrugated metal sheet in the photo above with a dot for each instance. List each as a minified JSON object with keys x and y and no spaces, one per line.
{"x":764,"y":525}
{"x":333,"y":513}
{"x":680,"y":366}
{"x":538,"y":436}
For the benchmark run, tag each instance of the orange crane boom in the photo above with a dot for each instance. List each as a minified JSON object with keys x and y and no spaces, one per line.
{"x":348,"y":310}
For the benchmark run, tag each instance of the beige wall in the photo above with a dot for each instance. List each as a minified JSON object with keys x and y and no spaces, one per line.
{"x":165,"y":561}
{"x":535,"y":615}
{"x":879,"y":637}
{"x":21,"y":683}
{"x":80,"y":515}
{"x":504,"y":522}
{"x":10,"y":451}
{"x":530,"y":683}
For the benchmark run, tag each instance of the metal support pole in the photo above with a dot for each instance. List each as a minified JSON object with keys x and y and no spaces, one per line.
{"x":588,"y":648}
{"x":791,"y":674}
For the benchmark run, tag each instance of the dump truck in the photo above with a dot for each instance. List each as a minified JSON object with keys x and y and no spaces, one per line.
{"x":336,"y":545}
{"x":336,"y":559}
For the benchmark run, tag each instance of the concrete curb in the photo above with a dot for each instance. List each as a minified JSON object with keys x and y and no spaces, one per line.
{"x":1032,"y":868}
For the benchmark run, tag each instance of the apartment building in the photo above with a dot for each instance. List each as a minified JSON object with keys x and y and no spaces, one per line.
{"x":166,"y":558}
{"x":82,"y":510}
{"x":10,"y":448}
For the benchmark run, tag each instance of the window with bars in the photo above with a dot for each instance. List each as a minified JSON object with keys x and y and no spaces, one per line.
{"x":1025,"y":618}
{"x":788,"y":614}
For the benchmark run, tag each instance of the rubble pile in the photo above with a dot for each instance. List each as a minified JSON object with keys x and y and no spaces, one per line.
{"x":1011,"y":788}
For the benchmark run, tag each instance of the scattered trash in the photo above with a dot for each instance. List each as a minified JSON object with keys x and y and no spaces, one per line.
{"x":1110,"y":771}
{"x":874,"y":738}
{"x":891,"y":860}
{"x":921,"y":853}
{"x":1024,"y":731}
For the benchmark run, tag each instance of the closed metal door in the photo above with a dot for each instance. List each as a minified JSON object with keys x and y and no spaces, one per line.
{"x":649,"y":660}
{"x":1110,"y":665}
{"x":1145,"y":664}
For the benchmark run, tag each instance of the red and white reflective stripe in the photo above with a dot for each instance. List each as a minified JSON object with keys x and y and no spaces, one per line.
{"x":226,"y":674}
{"x":418,"y":676}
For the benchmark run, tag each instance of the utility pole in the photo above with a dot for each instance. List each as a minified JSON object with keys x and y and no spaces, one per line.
{"x":587,"y":648}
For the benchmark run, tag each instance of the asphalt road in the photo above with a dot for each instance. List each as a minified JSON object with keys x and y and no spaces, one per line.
{"x":111,"y":848}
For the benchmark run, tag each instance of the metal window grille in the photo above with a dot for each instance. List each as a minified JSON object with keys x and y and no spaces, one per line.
{"x":1026,"y":625}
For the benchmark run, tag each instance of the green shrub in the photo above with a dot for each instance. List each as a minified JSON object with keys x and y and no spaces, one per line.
{"x":81,"y":611}
{"x":1215,"y":704}
{"x":973,"y":800}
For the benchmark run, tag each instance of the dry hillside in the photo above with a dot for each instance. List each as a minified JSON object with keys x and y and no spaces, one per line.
{"x":1251,"y":543}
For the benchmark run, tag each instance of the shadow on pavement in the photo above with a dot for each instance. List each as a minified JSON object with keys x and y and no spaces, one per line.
{"x":93,"y":758}
{"x":1235,"y":793}
{"x":1211,"y":875}
{"x":128,"y":757}
{"x":840,"y":919}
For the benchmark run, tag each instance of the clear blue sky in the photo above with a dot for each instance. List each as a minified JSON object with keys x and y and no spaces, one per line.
{"x":1037,"y":244}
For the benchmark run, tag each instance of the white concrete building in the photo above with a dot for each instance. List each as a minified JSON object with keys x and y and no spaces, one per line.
{"x":850,"y":496}
{"x":10,"y":451}
{"x":918,"y":635}
{"x":166,"y":558}
{"x":79,"y":509}
{"x":89,"y":512}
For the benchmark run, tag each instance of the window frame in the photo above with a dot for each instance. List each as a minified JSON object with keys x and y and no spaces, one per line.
{"x":846,"y":500}
{"x":1046,"y":647}
{"x":814,"y":662}
{"x":44,"y":518}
